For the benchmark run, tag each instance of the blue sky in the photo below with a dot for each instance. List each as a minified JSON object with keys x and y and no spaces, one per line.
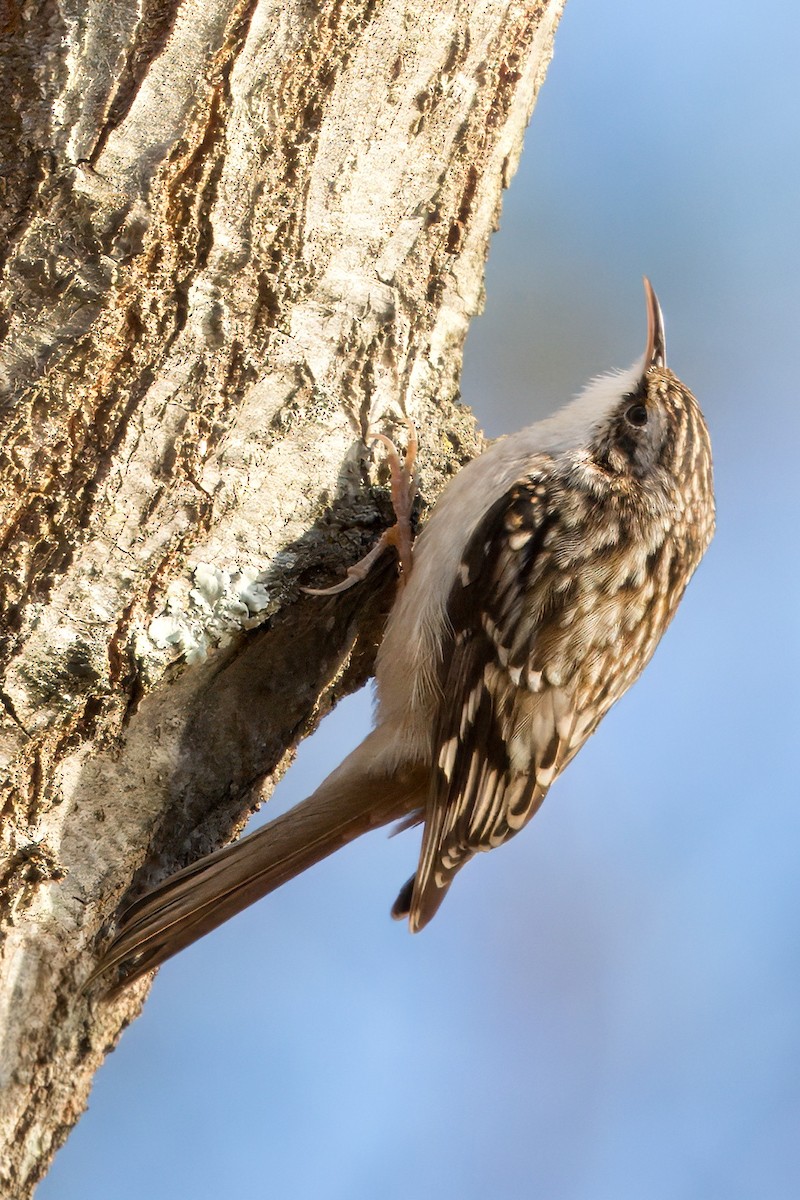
{"x":608,"y":1007}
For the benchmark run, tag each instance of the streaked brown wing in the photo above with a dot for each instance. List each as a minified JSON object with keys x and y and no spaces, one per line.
{"x":503,"y":732}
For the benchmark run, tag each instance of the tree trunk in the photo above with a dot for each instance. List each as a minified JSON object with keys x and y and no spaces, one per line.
{"x":234,"y":236}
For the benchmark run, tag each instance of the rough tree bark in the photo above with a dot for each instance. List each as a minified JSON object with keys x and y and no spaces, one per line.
{"x":234,"y":234}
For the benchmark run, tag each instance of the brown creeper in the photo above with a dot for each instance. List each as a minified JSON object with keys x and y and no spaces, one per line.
{"x":541,"y":585}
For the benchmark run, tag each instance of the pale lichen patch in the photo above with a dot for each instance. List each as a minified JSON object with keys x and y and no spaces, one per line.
{"x":221,"y":603}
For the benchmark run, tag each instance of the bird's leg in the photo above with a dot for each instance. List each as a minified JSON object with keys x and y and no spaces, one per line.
{"x":404,"y":490}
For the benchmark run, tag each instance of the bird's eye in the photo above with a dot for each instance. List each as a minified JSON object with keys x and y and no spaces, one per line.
{"x":636,"y":415}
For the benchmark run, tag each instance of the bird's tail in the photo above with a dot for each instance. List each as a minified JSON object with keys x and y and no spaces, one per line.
{"x":194,"y":901}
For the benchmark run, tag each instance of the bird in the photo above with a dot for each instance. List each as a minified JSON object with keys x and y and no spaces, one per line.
{"x":541,"y":584}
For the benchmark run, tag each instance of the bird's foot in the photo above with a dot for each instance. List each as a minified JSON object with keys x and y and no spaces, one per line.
{"x":404,"y":490}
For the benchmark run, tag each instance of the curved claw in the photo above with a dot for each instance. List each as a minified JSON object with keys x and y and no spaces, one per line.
{"x":357,"y":573}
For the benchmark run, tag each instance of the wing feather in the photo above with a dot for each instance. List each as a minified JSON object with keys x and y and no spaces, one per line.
{"x":504,"y":730}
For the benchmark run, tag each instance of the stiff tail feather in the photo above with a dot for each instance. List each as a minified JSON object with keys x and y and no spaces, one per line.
{"x":197,"y":899}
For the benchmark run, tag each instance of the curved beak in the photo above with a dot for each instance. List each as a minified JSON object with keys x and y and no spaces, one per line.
{"x":655,"y":352}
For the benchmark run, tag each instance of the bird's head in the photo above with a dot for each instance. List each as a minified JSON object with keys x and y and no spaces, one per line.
{"x":653,"y":430}
{"x":639,"y":432}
